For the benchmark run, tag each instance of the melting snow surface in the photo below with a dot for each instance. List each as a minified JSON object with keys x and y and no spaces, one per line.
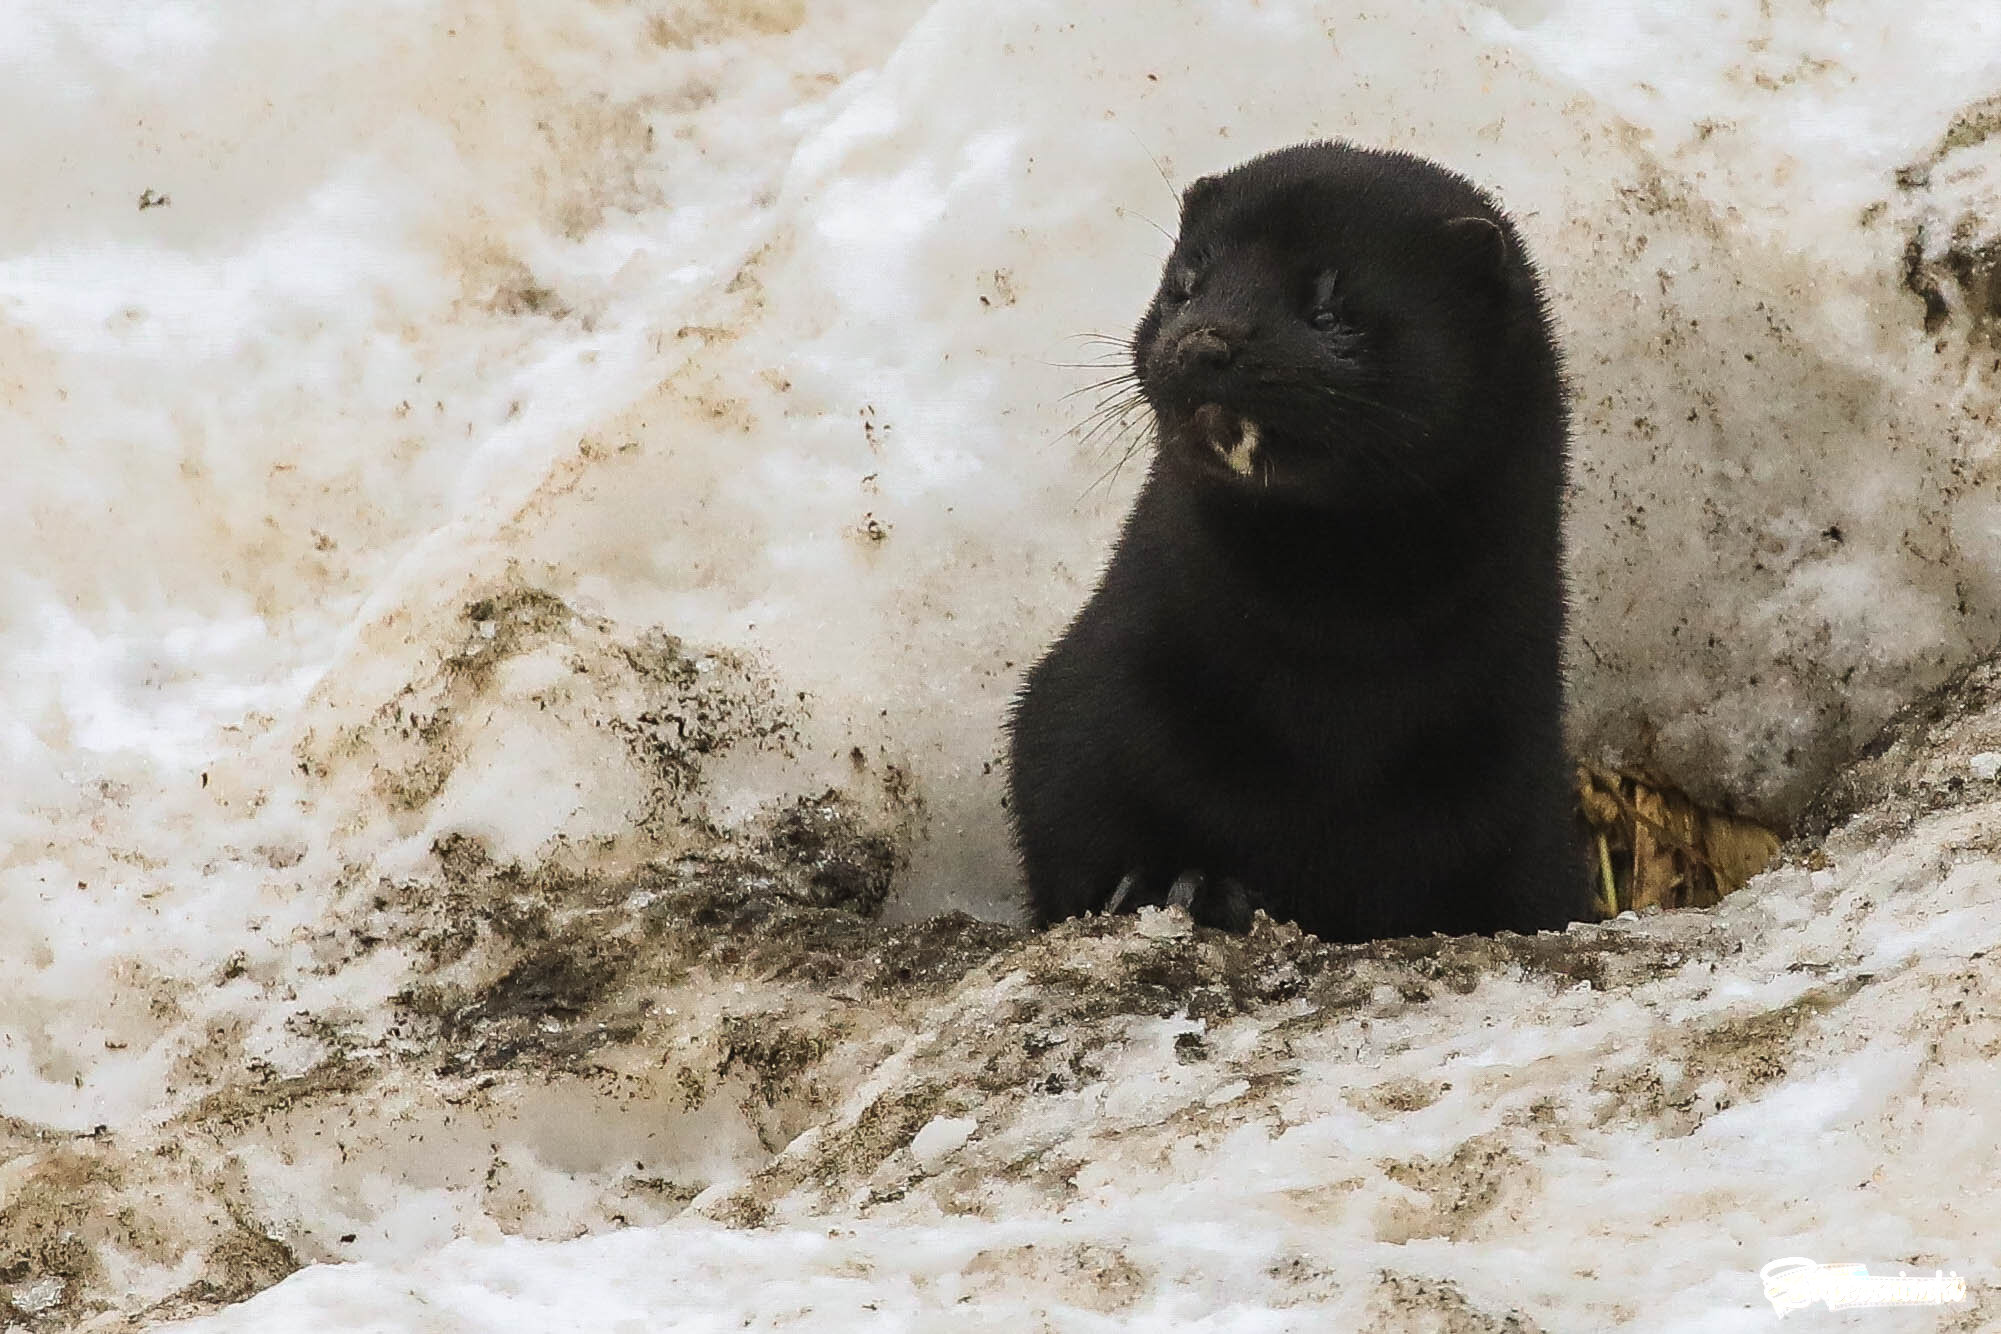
{"x":451,"y":445}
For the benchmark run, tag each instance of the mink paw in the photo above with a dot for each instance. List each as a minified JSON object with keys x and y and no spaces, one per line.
{"x":1221,"y":903}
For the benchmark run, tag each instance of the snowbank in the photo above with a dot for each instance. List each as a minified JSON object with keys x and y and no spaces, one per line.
{"x":1133,"y":1124}
{"x":453,"y":443}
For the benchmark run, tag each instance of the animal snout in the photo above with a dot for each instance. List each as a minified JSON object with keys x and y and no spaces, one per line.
{"x":1203,"y":348}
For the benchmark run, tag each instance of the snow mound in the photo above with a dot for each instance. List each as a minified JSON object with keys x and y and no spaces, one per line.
{"x":524,"y":526}
{"x":1113,"y":1125}
{"x":779,"y":1108}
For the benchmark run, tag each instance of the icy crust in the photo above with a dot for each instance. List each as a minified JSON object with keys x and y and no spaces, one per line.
{"x":781,"y":1109}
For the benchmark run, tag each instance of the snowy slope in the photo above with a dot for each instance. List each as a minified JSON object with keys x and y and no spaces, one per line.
{"x":1130,"y":1126}
{"x":451,"y":436}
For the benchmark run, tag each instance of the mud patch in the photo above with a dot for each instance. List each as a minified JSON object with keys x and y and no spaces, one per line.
{"x":643,"y":715}
{"x":1686,"y":1080}
{"x":1459,"y":1191}
{"x":1099,"y":1279}
{"x":546,"y":966}
{"x":1960,"y":276}
{"x":241,"y":1265}
{"x":1212,"y":975}
{"x":501,"y":282}
{"x":50,"y":1270}
{"x":770,"y":1053}
{"x":1952,"y":255}
{"x":243,"y":1103}
{"x":1416,"y":1304}
{"x":1600,"y":957}
{"x":90,"y":1227}
{"x":702,"y":704}
{"x":688,"y":23}
{"x":843,"y":864}
{"x":1396,"y":1098}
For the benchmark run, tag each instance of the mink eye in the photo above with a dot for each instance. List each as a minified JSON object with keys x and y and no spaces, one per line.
{"x":1180,"y":286}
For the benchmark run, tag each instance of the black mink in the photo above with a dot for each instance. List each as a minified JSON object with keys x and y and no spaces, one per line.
{"x":1322,"y":673}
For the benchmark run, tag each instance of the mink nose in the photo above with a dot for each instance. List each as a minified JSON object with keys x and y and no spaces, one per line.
{"x":1205,"y":348}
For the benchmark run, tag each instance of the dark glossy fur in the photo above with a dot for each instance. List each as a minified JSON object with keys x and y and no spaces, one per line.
{"x":1330,"y":688}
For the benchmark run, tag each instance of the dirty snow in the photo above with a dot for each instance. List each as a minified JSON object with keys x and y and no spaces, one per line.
{"x":508,"y":503}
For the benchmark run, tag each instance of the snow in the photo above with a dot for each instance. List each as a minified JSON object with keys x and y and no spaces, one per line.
{"x":464,"y":460}
{"x":941,"y":1137}
{"x":1462,"y":1156}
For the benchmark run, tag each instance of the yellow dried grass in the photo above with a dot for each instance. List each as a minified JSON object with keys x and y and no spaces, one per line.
{"x":1657,"y":848}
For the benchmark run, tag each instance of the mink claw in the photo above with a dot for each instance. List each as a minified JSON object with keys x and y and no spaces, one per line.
{"x":1181,"y":894}
{"x":1122,"y":893}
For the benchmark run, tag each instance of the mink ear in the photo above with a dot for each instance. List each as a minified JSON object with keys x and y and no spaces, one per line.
{"x":1198,"y":195}
{"x":1482,"y":247}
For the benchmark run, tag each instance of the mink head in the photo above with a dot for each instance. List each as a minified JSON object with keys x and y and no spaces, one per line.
{"x":1333,"y":327}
